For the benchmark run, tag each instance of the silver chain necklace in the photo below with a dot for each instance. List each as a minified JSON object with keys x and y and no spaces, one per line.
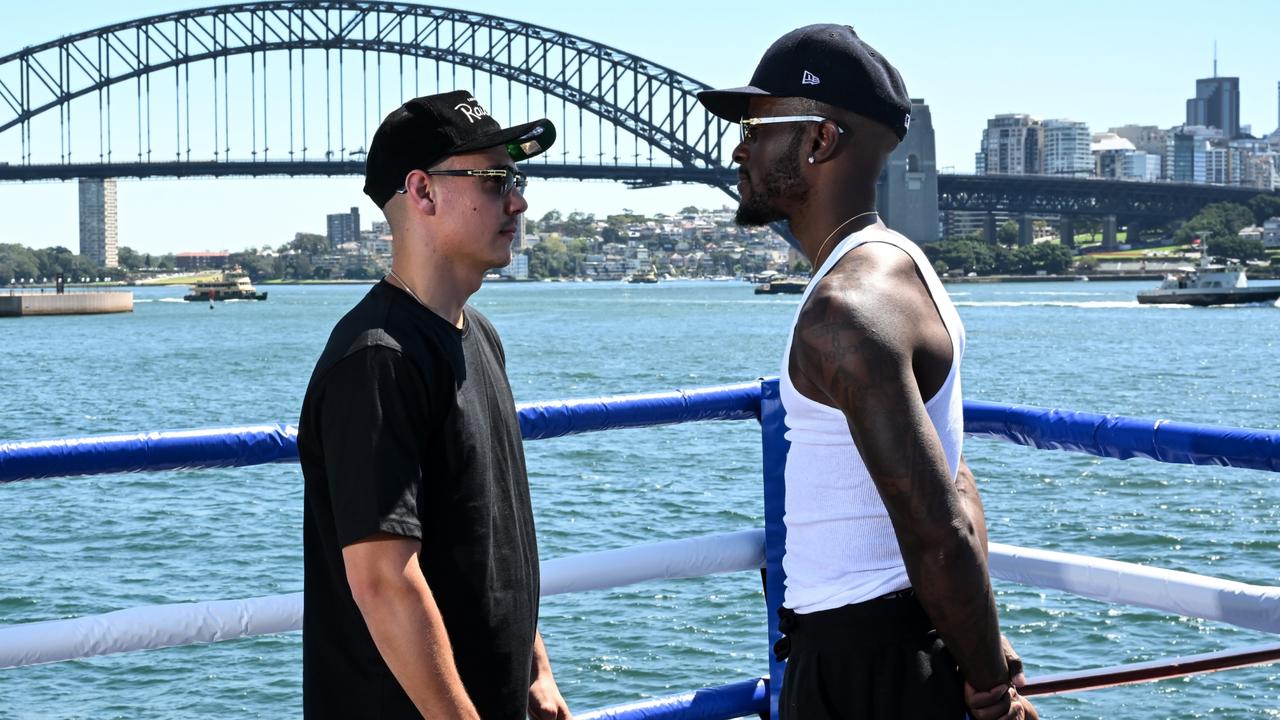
{"x":833,"y":234}
{"x":405,"y":287}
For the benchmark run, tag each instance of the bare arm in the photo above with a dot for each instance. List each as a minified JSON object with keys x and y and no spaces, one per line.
{"x":967,"y":487}
{"x":855,"y":344}
{"x":545,"y":701}
{"x":400,"y":611}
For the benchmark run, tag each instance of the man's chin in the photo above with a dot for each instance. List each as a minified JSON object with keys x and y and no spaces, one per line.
{"x":750,"y":216}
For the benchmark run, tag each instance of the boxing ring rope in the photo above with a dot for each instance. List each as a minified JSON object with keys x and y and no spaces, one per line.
{"x":1250,"y":606}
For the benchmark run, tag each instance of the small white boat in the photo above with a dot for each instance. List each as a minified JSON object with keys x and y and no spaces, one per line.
{"x":1208,"y":284}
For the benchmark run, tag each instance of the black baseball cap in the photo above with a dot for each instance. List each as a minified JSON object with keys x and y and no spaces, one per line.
{"x":426,"y":130}
{"x":827,"y":63}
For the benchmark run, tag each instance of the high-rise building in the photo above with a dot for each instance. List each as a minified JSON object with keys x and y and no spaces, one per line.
{"x":1222,"y":164}
{"x":1066,"y":148}
{"x":1143,"y":166}
{"x":1186,"y":157}
{"x":1217,"y":105}
{"x":1013,"y":144}
{"x":907,"y":194}
{"x":344,"y":228}
{"x":1110,"y":153}
{"x":1150,"y":139}
{"x":98,"y":235}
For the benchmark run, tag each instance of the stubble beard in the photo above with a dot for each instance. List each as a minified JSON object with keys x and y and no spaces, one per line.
{"x":783,"y":181}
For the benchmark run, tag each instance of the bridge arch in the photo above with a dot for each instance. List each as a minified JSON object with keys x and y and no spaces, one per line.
{"x":654,"y":103}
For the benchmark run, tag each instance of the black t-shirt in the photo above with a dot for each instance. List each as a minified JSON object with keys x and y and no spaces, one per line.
{"x":409,"y":427}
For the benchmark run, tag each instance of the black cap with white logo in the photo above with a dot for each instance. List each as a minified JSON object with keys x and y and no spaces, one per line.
{"x":827,"y":63}
{"x":426,"y":130}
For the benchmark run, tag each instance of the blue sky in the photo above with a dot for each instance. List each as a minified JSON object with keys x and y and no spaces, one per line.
{"x":1106,"y":63}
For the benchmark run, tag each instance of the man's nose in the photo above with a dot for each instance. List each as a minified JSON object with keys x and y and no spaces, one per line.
{"x":516,"y":203}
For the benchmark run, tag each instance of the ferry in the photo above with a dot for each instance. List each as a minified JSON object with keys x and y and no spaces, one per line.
{"x":783,"y":286}
{"x":1208,"y":284}
{"x":749,"y":550}
{"x":644,"y":277}
{"x":232,"y":285}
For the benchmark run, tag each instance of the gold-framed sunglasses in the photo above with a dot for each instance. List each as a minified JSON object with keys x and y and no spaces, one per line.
{"x":501,"y":180}
{"x":747,"y":126}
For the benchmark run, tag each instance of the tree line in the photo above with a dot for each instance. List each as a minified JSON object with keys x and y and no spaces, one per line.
{"x":566,"y":240}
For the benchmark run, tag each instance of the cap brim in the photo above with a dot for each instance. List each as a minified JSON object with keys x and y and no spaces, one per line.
{"x":522,"y":141}
{"x":730,"y":104}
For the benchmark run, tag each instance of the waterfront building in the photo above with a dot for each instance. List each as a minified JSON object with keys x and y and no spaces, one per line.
{"x":200,"y":260}
{"x":969,"y":223}
{"x":907,"y":193}
{"x":1146,"y":138}
{"x":1222,"y":165}
{"x":1260,"y":170}
{"x":1142,"y":166}
{"x":98,"y":230}
{"x":1110,"y":155}
{"x":1253,"y":232}
{"x":1066,"y":148}
{"x":1216,"y":105}
{"x":1271,"y":233}
{"x":344,"y":227}
{"x":1116,"y":158}
{"x":518,"y":268}
{"x":1013,"y":144}
{"x":376,"y":245}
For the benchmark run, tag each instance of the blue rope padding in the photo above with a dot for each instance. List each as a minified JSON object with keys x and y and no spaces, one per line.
{"x":539,"y":421}
{"x":1115,"y":436}
{"x":1106,"y":435}
{"x":750,"y":697}
{"x":106,"y":454}
{"x":774,"y":446}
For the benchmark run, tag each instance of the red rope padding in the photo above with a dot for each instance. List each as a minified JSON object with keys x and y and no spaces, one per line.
{"x":1157,"y":670}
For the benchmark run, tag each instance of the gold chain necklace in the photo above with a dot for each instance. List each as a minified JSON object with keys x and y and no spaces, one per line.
{"x":833,"y":234}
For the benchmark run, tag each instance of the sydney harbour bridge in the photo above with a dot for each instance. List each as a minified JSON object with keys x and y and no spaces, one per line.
{"x":296,"y":87}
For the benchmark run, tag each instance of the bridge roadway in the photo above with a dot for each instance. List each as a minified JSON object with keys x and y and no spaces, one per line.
{"x":1115,"y":202}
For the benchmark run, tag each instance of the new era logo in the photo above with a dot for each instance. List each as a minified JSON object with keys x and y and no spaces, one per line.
{"x":906,"y":121}
{"x":809,"y":79}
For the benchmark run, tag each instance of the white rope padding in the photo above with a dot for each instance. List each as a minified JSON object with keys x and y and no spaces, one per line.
{"x":1256,"y":607}
{"x":160,"y":626}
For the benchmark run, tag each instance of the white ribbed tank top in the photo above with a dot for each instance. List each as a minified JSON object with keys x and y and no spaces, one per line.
{"x":840,"y":546}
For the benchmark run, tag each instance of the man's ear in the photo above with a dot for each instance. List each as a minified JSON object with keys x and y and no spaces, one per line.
{"x":420,"y":192}
{"x":825,"y":142}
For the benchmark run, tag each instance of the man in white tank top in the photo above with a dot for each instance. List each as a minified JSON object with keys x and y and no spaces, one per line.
{"x":888,"y":610}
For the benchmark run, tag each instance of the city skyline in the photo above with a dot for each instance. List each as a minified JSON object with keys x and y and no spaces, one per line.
{"x":967,"y":66}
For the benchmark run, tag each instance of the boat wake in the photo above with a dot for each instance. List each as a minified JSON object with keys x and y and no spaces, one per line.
{"x":1088,"y":304}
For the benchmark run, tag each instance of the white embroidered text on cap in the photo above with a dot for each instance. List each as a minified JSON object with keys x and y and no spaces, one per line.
{"x":472,"y":110}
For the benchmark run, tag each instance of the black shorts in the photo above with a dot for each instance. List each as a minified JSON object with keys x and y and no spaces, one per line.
{"x":876,"y":660}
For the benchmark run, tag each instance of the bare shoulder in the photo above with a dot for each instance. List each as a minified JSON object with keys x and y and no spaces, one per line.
{"x":854,"y":320}
{"x":874,"y":289}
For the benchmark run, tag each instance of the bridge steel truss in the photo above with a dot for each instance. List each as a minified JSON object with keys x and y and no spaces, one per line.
{"x":1149,"y":203}
{"x":654,"y":104}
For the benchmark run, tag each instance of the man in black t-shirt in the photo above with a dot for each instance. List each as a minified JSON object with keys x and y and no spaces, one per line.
{"x":421,"y":587}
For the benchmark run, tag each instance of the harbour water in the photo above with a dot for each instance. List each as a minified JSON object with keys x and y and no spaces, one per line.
{"x":77,"y":546}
